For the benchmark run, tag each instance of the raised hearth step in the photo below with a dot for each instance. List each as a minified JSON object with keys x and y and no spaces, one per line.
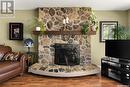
{"x":64,"y":71}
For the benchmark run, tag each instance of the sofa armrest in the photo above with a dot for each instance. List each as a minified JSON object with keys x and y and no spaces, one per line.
{"x":23,"y":63}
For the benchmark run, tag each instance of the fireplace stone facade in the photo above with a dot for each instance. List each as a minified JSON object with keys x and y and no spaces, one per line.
{"x":53,"y":19}
{"x":46,"y":49}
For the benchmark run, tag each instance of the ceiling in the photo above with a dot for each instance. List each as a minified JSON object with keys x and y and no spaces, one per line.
{"x":94,"y":4}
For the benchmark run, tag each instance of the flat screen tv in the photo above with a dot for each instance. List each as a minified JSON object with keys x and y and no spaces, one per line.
{"x":117,"y":49}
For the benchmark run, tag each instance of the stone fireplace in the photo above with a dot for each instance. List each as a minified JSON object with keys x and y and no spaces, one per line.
{"x":67,"y":54}
{"x":64,"y":55}
{"x":53,"y":18}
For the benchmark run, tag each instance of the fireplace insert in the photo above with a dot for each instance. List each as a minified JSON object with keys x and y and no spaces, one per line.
{"x":67,"y":54}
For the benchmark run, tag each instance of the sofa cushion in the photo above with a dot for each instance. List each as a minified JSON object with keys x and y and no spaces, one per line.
{"x":11,"y":56}
{"x":6,"y":66}
{"x":4,"y":50}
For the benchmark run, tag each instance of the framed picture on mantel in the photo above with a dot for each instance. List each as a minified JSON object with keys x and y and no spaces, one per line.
{"x":108,"y":30}
{"x":16,"y":31}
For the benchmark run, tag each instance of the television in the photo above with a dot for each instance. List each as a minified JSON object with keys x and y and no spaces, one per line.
{"x":117,"y":49}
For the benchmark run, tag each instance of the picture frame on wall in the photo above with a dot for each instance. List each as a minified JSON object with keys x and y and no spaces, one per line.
{"x":16,"y":31}
{"x":108,"y":30}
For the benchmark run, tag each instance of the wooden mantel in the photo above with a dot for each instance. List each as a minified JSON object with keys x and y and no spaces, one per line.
{"x":63,"y":33}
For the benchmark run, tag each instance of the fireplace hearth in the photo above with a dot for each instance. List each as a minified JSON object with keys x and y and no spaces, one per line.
{"x":67,"y":54}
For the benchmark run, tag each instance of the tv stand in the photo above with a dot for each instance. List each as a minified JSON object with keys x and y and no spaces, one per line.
{"x":116,"y":69}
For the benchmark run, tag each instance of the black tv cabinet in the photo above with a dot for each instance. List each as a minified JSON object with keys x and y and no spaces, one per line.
{"x":116,"y":69}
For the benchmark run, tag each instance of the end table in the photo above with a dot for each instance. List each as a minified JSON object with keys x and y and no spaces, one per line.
{"x":32,"y":58}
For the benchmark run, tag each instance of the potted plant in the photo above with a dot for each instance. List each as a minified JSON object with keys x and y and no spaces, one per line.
{"x":93,"y":22}
{"x":37,"y":24}
{"x":85,"y":28}
{"x":121,"y":32}
{"x":40,"y":24}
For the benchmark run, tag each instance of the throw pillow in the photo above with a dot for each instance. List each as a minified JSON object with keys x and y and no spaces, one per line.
{"x":17,"y":55}
{"x":11,"y":56}
{"x":1,"y":56}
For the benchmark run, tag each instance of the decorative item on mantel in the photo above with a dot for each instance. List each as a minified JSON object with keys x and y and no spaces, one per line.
{"x":90,"y":25}
{"x":85,"y":28}
{"x":93,"y":22}
{"x":38,"y":25}
{"x":38,"y":29}
{"x":65,"y":22}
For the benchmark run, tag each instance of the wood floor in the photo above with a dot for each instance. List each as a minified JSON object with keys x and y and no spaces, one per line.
{"x":31,"y":80}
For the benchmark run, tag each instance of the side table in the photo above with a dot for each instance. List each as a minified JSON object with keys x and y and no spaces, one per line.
{"x":32,"y":58}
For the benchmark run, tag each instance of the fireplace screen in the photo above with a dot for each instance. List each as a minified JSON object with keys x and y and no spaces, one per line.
{"x":67,"y":54}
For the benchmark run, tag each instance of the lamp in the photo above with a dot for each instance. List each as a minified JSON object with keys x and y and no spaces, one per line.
{"x":28,"y":43}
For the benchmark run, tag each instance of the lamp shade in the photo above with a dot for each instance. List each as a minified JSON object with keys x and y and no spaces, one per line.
{"x":28,"y":42}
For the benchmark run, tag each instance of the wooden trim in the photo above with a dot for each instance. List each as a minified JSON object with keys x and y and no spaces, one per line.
{"x":63,"y":33}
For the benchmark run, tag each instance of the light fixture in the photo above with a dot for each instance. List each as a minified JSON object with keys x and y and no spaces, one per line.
{"x":28,"y":43}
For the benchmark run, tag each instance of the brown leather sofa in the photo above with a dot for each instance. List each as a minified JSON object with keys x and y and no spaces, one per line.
{"x":10,"y":69}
